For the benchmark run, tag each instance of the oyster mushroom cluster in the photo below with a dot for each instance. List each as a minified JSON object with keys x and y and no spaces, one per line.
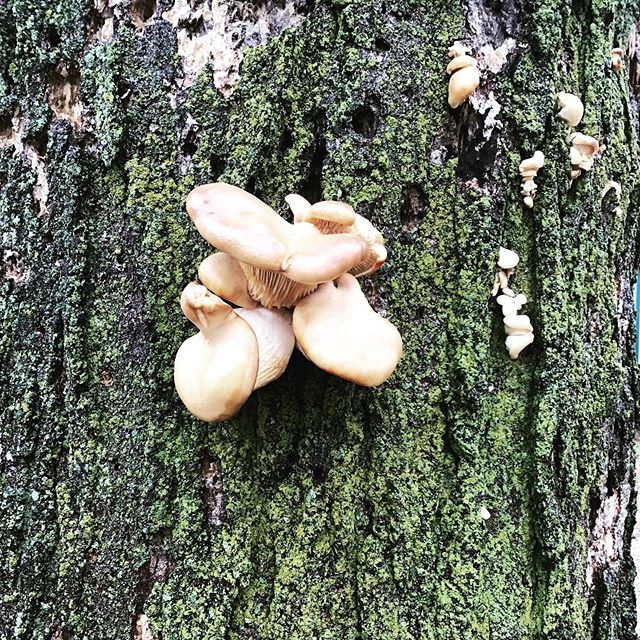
{"x":529,"y":168}
{"x":517,"y":327}
{"x":583,"y":148}
{"x":289,"y":284}
{"x":464,"y":73}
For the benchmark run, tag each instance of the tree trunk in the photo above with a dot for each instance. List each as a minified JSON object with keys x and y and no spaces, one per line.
{"x":471,"y":496}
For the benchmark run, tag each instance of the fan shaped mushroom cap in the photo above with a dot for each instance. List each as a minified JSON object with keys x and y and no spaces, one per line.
{"x":571,"y":108}
{"x":462,"y":84}
{"x":529,"y":166}
{"x":339,"y":332}
{"x":516,"y":343}
{"x":239,"y":224}
{"x":511,"y":305}
{"x":515,"y":325}
{"x":223,"y":275}
{"x":215,"y":370}
{"x":298,"y":205}
{"x":508,"y":259}
{"x":460,"y":62}
{"x":272,"y":253}
{"x":273,"y":331}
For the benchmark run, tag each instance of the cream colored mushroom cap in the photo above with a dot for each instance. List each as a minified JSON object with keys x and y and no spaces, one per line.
{"x":516,"y":343}
{"x":460,"y":62}
{"x":571,"y":108}
{"x":339,"y":332}
{"x":216,"y":369}
{"x":273,"y":331}
{"x":517,"y":325}
{"x":508,"y":259}
{"x":462,"y":84}
{"x":222,"y":275}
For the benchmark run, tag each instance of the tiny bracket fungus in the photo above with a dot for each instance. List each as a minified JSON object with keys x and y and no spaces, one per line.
{"x":517,"y":327}
{"x":265,"y":267}
{"x":582,"y":153}
{"x":529,"y":168}
{"x":571,"y":108}
{"x":465,"y":76}
{"x":617,"y":55}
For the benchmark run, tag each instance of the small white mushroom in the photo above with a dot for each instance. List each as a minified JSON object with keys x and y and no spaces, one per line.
{"x":582,"y":153}
{"x":516,"y":343}
{"x":465,"y":78}
{"x":528,"y":169}
{"x":508,"y":259}
{"x":515,"y":325}
{"x":511,"y":305}
{"x":571,"y":108}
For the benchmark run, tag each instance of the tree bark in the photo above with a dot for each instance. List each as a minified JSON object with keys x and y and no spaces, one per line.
{"x":322,"y":510}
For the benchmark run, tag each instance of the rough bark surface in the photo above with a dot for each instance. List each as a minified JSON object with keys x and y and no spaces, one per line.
{"x":322,"y":510}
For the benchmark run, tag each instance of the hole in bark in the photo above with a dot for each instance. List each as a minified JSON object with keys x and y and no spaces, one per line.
{"x":382,"y":44}
{"x":413,"y":208}
{"x":189,"y":146}
{"x":95,"y":21}
{"x":53,"y":36}
{"x":365,"y":119}
{"x":142,"y":11}
{"x":125,"y":93}
{"x":216,"y":165}
{"x":312,"y":188}
{"x":286,"y":141}
{"x":213,"y":491}
{"x":251,"y":185}
{"x":319,"y":474}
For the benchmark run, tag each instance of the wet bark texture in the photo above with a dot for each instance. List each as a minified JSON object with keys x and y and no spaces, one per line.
{"x":322,"y":510}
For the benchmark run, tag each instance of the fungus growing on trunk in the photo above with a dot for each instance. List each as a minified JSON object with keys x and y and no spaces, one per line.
{"x":464,"y":73}
{"x":571,"y":108}
{"x":265,"y":259}
{"x":339,"y":332}
{"x":529,"y":170}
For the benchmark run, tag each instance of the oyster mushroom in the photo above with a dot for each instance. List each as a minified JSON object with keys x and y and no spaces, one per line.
{"x":464,"y":73}
{"x":273,"y":331}
{"x":215,"y":370}
{"x":529,"y":168}
{"x":571,"y":108}
{"x":331,"y":216}
{"x":282,"y":262}
{"x":616,"y":58}
{"x":582,"y":153}
{"x":223,"y":275}
{"x":339,"y":332}
{"x":516,"y":343}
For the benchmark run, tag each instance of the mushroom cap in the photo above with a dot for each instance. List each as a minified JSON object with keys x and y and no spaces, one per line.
{"x":458,"y":49}
{"x":460,"y":62}
{"x":516,"y":343}
{"x":338,"y":331}
{"x":517,"y":325}
{"x":529,"y":166}
{"x":216,"y":369}
{"x":508,"y":259}
{"x":462,"y":84}
{"x":511,"y":305}
{"x":239,"y":224}
{"x":298,"y":205}
{"x":612,"y":184}
{"x":267,"y":247}
{"x":571,"y":108}
{"x":223,"y":275}
{"x":274,"y":334}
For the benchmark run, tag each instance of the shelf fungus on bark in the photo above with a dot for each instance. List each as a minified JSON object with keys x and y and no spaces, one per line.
{"x":465,"y":76}
{"x":529,"y":168}
{"x":571,"y":108}
{"x":582,"y":153}
{"x":264,"y":266}
{"x":517,"y":327}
